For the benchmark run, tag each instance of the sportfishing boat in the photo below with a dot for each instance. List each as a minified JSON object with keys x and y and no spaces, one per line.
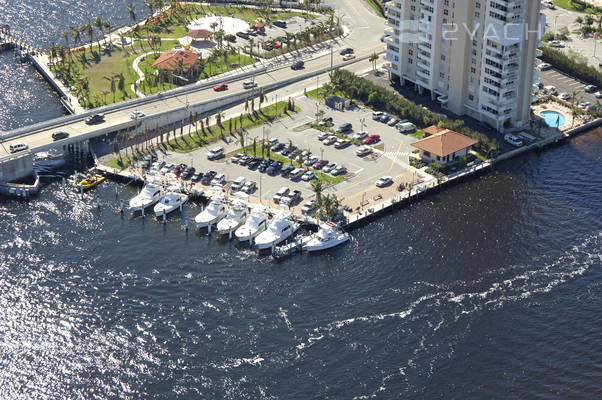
{"x":256,"y":223}
{"x":171,"y":201}
{"x":235,"y":217}
{"x":281,"y":228}
{"x":149,"y":195}
{"x":213,"y":213}
{"x":327,"y":237}
{"x":90,"y":182}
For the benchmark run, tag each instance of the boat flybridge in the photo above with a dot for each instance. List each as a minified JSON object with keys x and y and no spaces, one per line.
{"x":327,"y":237}
{"x":281,"y":228}
{"x":150,"y":194}
{"x":236,"y":216}
{"x":213,"y":213}
{"x":171,"y":201}
{"x":256,"y":223}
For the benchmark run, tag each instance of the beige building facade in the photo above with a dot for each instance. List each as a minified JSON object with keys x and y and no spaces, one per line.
{"x":475,"y":57}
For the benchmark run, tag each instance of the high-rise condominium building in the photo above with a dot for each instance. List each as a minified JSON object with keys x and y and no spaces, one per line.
{"x":476,"y":57}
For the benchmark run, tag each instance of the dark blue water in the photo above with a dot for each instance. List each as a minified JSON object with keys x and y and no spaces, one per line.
{"x":491,"y":289}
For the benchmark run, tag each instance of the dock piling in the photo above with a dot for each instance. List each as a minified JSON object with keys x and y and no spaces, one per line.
{"x":63,"y":184}
{"x":164,"y":217}
{"x":142,"y":212}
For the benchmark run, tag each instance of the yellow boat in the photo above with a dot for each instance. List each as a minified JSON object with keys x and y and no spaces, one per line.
{"x":91,"y":181}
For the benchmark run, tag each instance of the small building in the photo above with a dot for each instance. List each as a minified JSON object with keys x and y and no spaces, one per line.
{"x":337,"y":102}
{"x":199,"y":34}
{"x":178,"y":62}
{"x":443,"y":146}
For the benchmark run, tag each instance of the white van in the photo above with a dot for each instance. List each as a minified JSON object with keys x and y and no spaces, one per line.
{"x":407,"y":127}
{"x":249,"y":84}
{"x":280,"y":194}
{"x":238,"y":183}
{"x":216,"y":152}
{"x":296,"y":173}
{"x":18,"y":147}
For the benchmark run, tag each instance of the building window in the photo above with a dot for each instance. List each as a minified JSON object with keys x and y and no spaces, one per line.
{"x":441,"y":75}
{"x":442,"y":57}
{"x":410,"y":61}
{"x":470,"y":97}
{"x":427,"y":154}
{"x":411,"y":52}
{"x":473,"y":70}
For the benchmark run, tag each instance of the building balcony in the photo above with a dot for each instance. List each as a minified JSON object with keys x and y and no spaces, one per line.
{"x":423,"y":73}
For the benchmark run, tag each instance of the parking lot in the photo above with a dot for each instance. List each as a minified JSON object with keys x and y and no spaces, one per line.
{"x":362,"y":171}
{"x":566,"y":84}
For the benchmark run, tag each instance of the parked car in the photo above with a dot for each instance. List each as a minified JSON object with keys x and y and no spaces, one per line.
{"x":281,"y":192}
{"x":309,"y":207}
{"x":345,"y":127}
{"x":360,"y":135}
{"x":14,"y":148}
{"x":340,"y":170}
{"x":296,"y":173}
{"x":347,"y":50}
{"x":60,"y":135}
{"x":291,"y":197}
{"x":384,"y":181}
{"x":392,"y":122}
{"x":544,"y":66}
{"x":285,"y":171}
{"x":329,"y":140}
{"x":308,"y":176}
{"x":220,"y":87}
{"x":249,"y":84}
{"x":598,"y":94}
{"x":230,"y":38}
{"x":325,"y":121}
{"x":297,"y":64}
{"x":215,"y":153}
{"x":137,"y":115}
{"x":376,"y":115}
{"x":243,"y":35}
{"x":187,"y":173}
{"x":197,"y":177}
{"x":363,"y":151}
{"x":590,"y":88}
{"x":371,"y":139}
{"x":384,"y":118}
{"x":328,"y":168}
{"x":219,"y":180}
{"x":406,"y":127}
{"x":513,"y":140}
{"x":249,"y":187}
{"x":238,"y":184}
{"x":208,"y":177}
{"x":556,"y":43}
{"x":311,"y":160}
{"x":564,"y":96}
{"x":339,"y":144}
{"x":95,"y":119}
{"x":320,"y":164}
{"x":279,"y":23}
{"x":550,"y":90}
{"x":323,"y":135}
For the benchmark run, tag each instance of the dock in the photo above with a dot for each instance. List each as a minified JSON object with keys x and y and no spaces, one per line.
{"x":9,"y":41}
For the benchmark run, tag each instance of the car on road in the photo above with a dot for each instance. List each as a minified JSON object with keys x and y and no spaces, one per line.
{"x":347,"y":50}
{"x":308,"y":176}
{"x":372,"y":139}
{"x":220,"y":87}
{"x":340,"y":170}
{"x":360,"y":135}
{"x":590,"y":88}
{"x":309,"y":206}
{"x":384,"y":181}
{"x":249,"y":187}
{"x":14,"y":148}
{"x":279,"y":23}
{"x":349,"y":56}
{"x":328,"y":168}
{"x":564,"y":96}
{"x":95,"y":119}
{"x":249,"y":84}
{"x":60,"y":135}
{"x":137,"y":115}
{"x":544,"y":66}
{"x":297,"y":65}
{"x":238,"y":184}
{"x":513,"y":140}
{"x":345,"y":127}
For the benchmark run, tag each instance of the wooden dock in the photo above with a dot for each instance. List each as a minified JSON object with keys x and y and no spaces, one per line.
{"x":9,"y":41}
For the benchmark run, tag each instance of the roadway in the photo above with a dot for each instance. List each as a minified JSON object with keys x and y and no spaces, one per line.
{"x":357,"y":18}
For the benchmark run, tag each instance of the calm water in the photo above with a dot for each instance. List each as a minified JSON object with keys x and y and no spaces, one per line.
{"x":488,"y":290}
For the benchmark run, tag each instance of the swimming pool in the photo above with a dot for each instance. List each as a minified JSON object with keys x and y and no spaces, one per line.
{"x":553,"y":119}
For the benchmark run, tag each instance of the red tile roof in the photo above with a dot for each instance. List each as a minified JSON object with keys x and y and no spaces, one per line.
{"x":199,"y":34}
{"x":432,"y":130}
{"x":169,"y":60}
{"x":444,"y":142}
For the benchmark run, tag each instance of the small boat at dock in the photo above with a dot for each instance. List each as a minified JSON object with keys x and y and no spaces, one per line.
{"x":236,"y":216}
{"x":149,"y":195}
{"x":213,"y":213}
{"x":327,"y":237}
{"x":171,"y":201}
{"x":256,"y":223}
{"x":281,"y":228}
{"x":90,"y":182}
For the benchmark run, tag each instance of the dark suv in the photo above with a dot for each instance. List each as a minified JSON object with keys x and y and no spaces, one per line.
{"x":95,"y":119}
{"x":60,"y":135}
{"x":297,"y":64}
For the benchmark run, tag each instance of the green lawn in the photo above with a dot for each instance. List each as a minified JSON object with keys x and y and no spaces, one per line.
{"x":175,"y":26}
{"x":418,"y":134}
{"x":318,"y":94}
{"x":572,"y":6}
{"x":375,"y":7}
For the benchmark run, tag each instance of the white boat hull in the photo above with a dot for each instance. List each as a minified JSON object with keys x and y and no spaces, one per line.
{"x":264,"y":245}
{"x":316,"y":245}
{"x":248,"y":234}
{"x":139,"y":206}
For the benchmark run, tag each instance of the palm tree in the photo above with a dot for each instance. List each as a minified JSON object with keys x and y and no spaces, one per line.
{"x":76,"y":36}
{"x":108,"y":27}
{"x":251,"y":42}
{"x":98,"y":24}
{"x":121,"y":84}
{"x":317,"y":187}
{"x":88,"y":29}
{"x":131,"y":12}
{"x":373,"y":59}
{"x":113,"y":84}
{"x":579,"y":20}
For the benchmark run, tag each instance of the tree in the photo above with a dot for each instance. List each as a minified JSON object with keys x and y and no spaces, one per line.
{"x":100,"y":26}
{"x":121,"y":84}
{"x":579,"y":21}
{"x":317,"y":187}
{"x":254,"y":147}
{"x":111,"y":79}
{"x":373,"y":59}
{"x":131,"y":12}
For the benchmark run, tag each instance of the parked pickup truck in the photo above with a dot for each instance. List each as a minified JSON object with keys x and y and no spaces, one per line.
{"x":290,"y":198}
